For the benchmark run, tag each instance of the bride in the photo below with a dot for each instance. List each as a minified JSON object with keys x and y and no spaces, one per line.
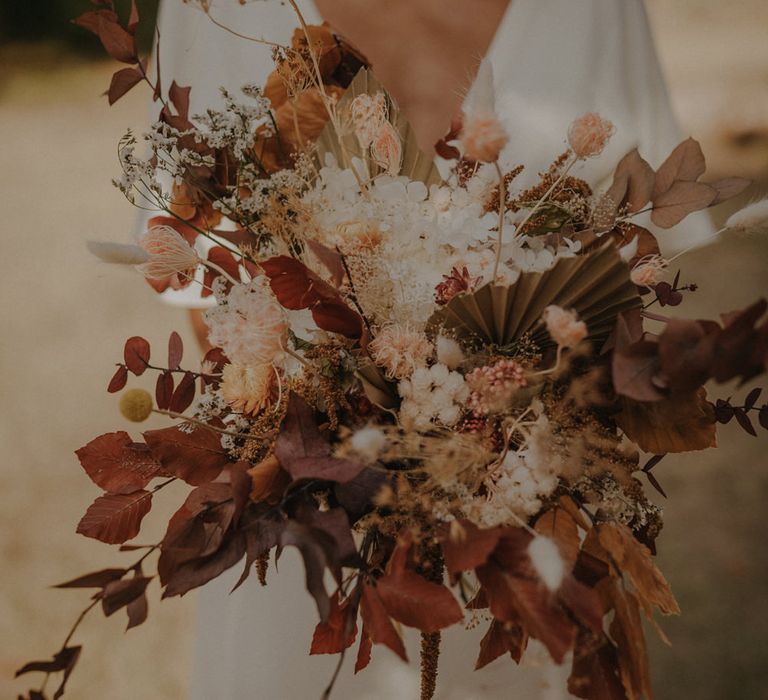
{"x":553,"y":60}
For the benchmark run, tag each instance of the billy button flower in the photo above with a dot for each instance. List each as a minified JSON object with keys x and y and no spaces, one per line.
{"x":136,"y":405}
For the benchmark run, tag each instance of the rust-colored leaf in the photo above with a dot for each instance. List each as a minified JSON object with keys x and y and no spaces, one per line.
{"x":557,"y":524}
{"x":634,"y":559}
{"x":627,"y":631}
{"x":268,"y":481}
{"x":116,"y":464}
{"x":184,"y":394}
{"x":679,"y":423}
{"x":465,"y":546}
{"x":115,"y":518}
{"x":136,"y":354}
{"x":122,"y":82}
{"x":164,"y":390}
{"x":499,"y":640}
{"x":196,"y":456}
{"x":363,"y":651}
{"x":412,"y":600}
{"x":377,"y":623}
{"x":339,"y":631}
{"x":119,"y":379}
{"x":175,"y":350}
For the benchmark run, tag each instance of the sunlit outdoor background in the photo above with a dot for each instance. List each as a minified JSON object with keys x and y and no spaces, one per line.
{"x":64,"y":317}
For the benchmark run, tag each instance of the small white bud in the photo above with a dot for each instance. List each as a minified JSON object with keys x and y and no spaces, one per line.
{"x":368,"y":442}
{"x":449,"y":352}
{"x":547,"y":562}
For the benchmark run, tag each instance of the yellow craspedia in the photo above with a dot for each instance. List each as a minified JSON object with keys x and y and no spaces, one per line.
{"x":136,"y":405}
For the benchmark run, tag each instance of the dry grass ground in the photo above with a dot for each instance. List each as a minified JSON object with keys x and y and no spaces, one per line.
{"x":63,"y":319}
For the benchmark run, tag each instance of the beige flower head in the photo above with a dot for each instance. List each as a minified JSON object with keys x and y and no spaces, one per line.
{"x":400,"y":350}
{"x":482,"y":134}
{"x":589,"y":134}
{"x":171,"y":258}
{"x":648,"y":271}
{"x":248,"y":389}
{"x":564,"y":326}
{"x":368,"y":114}
{"x":386,"y":148}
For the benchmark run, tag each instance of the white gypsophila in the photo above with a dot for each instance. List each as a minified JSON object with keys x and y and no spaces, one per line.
{"x":239,"y":424}
{"x":235,"y":126}
{"x":210,"y":405}
{"x":432,"y":396}
{"x":135,"y":171}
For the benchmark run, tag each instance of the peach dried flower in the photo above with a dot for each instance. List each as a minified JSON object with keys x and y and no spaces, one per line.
{"x":247,"y":389}
{"x":386,"y":148}
{"x":589,"y":134}
{"x":648,"y":271}
{"x":483,"y":137}
{"x":400,"y":350}
{"x":172,"y":261}
{"x":564,"y":326}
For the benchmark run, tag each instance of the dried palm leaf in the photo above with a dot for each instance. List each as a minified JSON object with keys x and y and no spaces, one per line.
{"x":596,"y":285}
{"x":415,"y":164}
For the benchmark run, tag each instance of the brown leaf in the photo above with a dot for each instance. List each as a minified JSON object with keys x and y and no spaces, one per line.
{"x":164,"y":390}
{"x":175,"y":350}
{"x":115,"y":518}
{"x":640,"y":180}
{"x":196,"y":457}
{"x":686,"y":163}
{"x":119,"y":379}
{"x":557,"y":524}
{"x":679,"y":423}
{"x":500,"y":639}
{"x":304,"y":453}
{"x":97,"y":579}
{"x":118,"y":594}
{"x":122,"y":81}
{"x":686,"y":353}
{"x":339,"y":632}
{"x":268,"y":481}
{"x":377,"y":623}
{"x":364,"y":651}
{"x":412,"y":600}
{"x":729,"y":187}
{"x":260,"y":536}
{"x":179,"y":96}
{"x":634,"y":559}
{"x":184,"y":394}
{"x":116,"y":464}
{"x":627,"y":631}
{"x":595,"y":673}
{"x":297,"y":287}
{"x":466,"y":547}
{"x":634,"y":368}
{"x":330,"y":258}
{"x":136,"y":354}
{"x":681,"y":199}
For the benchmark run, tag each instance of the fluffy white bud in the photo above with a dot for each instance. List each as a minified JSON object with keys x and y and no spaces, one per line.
{"x":547,"y":562}
{"x":368,"y":442}
{"x":449,"y":352}
{"x":751,"y":219}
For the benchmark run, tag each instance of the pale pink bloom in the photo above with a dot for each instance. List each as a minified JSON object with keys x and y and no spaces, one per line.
{"x":483,"y":136}
{"x":368,"y":114}
{"x":387,"y":149}
{"x":564,"y":326}
{"x":648,"y":271}
{"x":589,"y":134}
{"x":172,"y":261}
{"x":400,"y":350}
{"x":493,"y":386}
{"x":249,"y":325}
{"x":247,"y":389}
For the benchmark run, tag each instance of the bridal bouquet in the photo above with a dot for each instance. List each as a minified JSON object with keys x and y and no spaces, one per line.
{"x":447,"y":392}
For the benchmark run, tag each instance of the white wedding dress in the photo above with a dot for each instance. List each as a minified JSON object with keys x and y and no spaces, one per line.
{"x":553,"y":60}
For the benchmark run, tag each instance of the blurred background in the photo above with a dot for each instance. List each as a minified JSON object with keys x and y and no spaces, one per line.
{"x":64,"y":319}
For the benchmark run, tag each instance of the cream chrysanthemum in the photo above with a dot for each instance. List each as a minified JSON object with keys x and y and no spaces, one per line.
{"x":247,"y":389}
{"x":400,"y":350}
{"x":249,"y":325}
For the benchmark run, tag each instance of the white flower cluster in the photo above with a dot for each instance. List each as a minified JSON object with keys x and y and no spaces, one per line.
{"x":234,"y":126}
{"x":527,"y":475}
{"x":136,"y":171}
{"x":432,"y":396}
